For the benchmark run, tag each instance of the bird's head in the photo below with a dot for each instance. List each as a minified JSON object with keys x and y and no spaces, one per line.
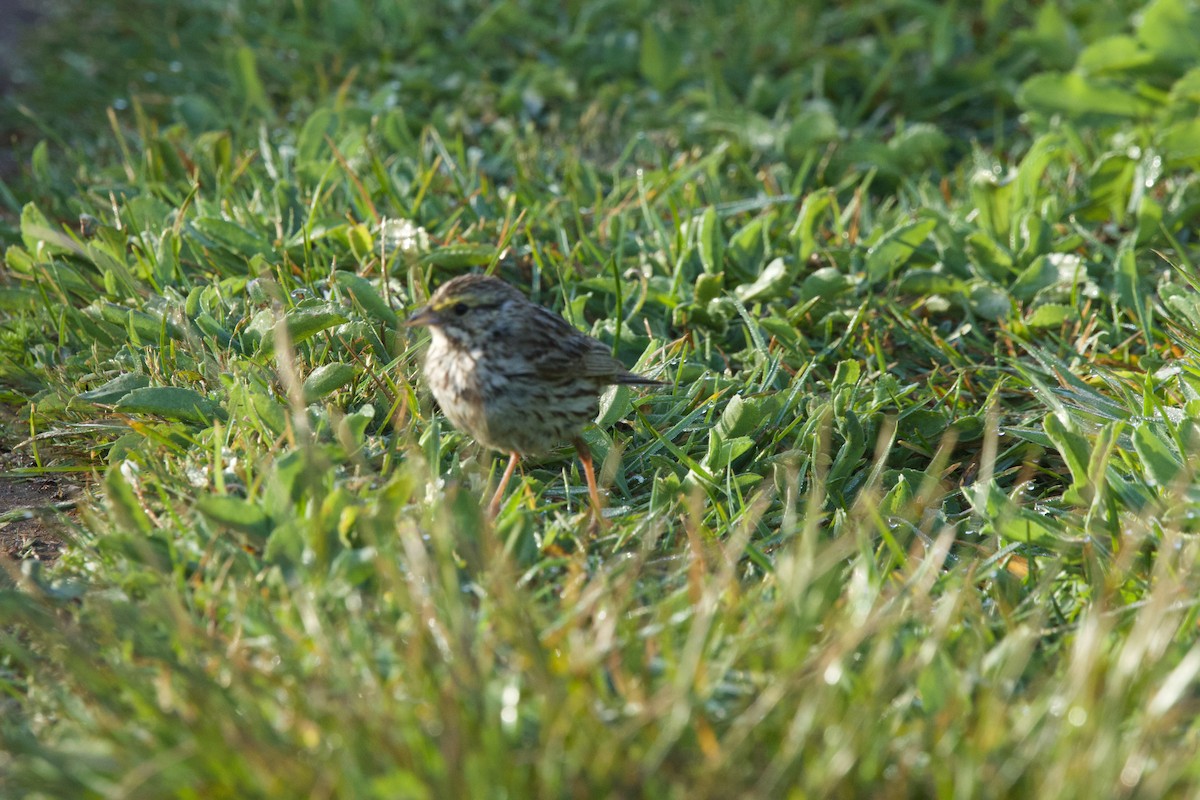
{"x":466,"y":307}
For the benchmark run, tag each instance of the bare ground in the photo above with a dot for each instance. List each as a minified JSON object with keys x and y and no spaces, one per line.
{"x":29,"y":522}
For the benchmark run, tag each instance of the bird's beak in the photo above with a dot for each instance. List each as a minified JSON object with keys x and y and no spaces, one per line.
{"x":423,"y":316}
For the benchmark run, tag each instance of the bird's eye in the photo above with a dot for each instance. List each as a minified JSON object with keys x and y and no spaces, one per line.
{"x":460,"y":309}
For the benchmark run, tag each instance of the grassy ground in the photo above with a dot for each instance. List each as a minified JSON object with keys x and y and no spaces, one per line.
{"x":917,"y":515}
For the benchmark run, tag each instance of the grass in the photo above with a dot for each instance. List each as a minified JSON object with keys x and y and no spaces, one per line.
{"x":916,"y":516}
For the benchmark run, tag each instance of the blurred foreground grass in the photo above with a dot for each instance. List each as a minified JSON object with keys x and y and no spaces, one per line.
{"x":917,"y":515}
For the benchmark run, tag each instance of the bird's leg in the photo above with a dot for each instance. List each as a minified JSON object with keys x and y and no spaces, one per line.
{"x":589,"y":472}
{"x":494,"y":506}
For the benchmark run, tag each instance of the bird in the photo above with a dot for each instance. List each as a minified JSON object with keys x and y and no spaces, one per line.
{"x":514,"y":375}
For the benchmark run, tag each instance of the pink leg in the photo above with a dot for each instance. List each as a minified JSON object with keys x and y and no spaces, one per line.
{"x":494,"y":506}
{"x":589,"y":472}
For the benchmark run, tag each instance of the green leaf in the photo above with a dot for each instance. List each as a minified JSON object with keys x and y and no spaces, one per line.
{"x":711,"y":243}
{"x":1010,"y":521}
{"x":115,"y":389}
{"x":1180,"y":142}
{"x":1050,"y":315}
{"x":18,"y":299}
{"x":365,"y":295}
{"x":990,"y":302}
{"x":895,"y":247}
{"x":1075,"y":450}
{"x":805,"y":228}
{"x":172,"y":402}
{"x":1127,"y":277}
{"x":992,"y":196}
{"x":41,"y":238}
{"x":774,"y":281}
{"x":928,"y":281}
{"x":1160,"y":461}
{"x":1075,"y":95}
{"x":235,"y":513}
{"x":248,"y":81}
{"x":723,"y":452}
{"x":747,"y":249}
{"x":40,"y":164}
{"x":659,"y":61}
{"x":460,"y":256}
{"x":141,"y":324}
{"x":311,"y":147}
{"x":1186,"y":89}
{"x":1171,"y":30}
{"x":302,"y":324}
{"x":1114,"y":54}
{"x":327,"y":379}
{"x":709,"y":287}
{"x":826,"y":283}
{"x":221,"y":234}
{"x":355,"y":424}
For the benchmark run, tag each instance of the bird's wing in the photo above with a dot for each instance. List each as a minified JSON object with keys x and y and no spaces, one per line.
{"x":571,"y":352}
{"x":576,"y":353}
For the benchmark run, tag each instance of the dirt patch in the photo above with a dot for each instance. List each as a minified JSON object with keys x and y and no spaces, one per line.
{"x":30,"y":526}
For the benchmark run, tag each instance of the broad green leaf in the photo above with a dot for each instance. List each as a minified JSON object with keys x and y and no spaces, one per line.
{"x":113,"y":390}
{"x":992,"y":196}
{"x":1186,"y":89}
{"x":1110,"y":183}
{"x":1180,"y":142}
{"x":240,"y":515}
{"x":145,"y":326}
{"x":826,"y":283}
{"x":746,"y":249}
{"x":1171,"y":30}
{"x":1071,"y":445}
{"x":1011,"y":521}
{"x":222,"y":234}
{"x":327,"y":379}
{"x":725,"y":451}
{"x":311,"y":147}
{"x":1074,"y":94}
{"x":774,"y":281}
{"x":709,"y":287}
{"x":41,"y":238}
{"x":919,"y":145}
{"x":248,"y":81}
{"x":19,"y":299}
{"x":302,"y":324}
{"x":460,"y":256}
{"x":711,"y":244}
{"x":990,"y":302}
{"x":660,"y":59}
{"x":852,"y":450}
{"x":1040,"y":274}
{"x":365,"y":295}
{"x":805,"y":228}
{"x":738,"y":418}
{"x":1160,"y":460}
{"x":897,"y":499}
{"x":1114,"y":54}
{"x":210,"y":327}
{"x":896,"y":246}
{"x":355,"y":424}
{"x":172,"y":402}
{"x":1127,"y":277}
{"x":1050,"y":315}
